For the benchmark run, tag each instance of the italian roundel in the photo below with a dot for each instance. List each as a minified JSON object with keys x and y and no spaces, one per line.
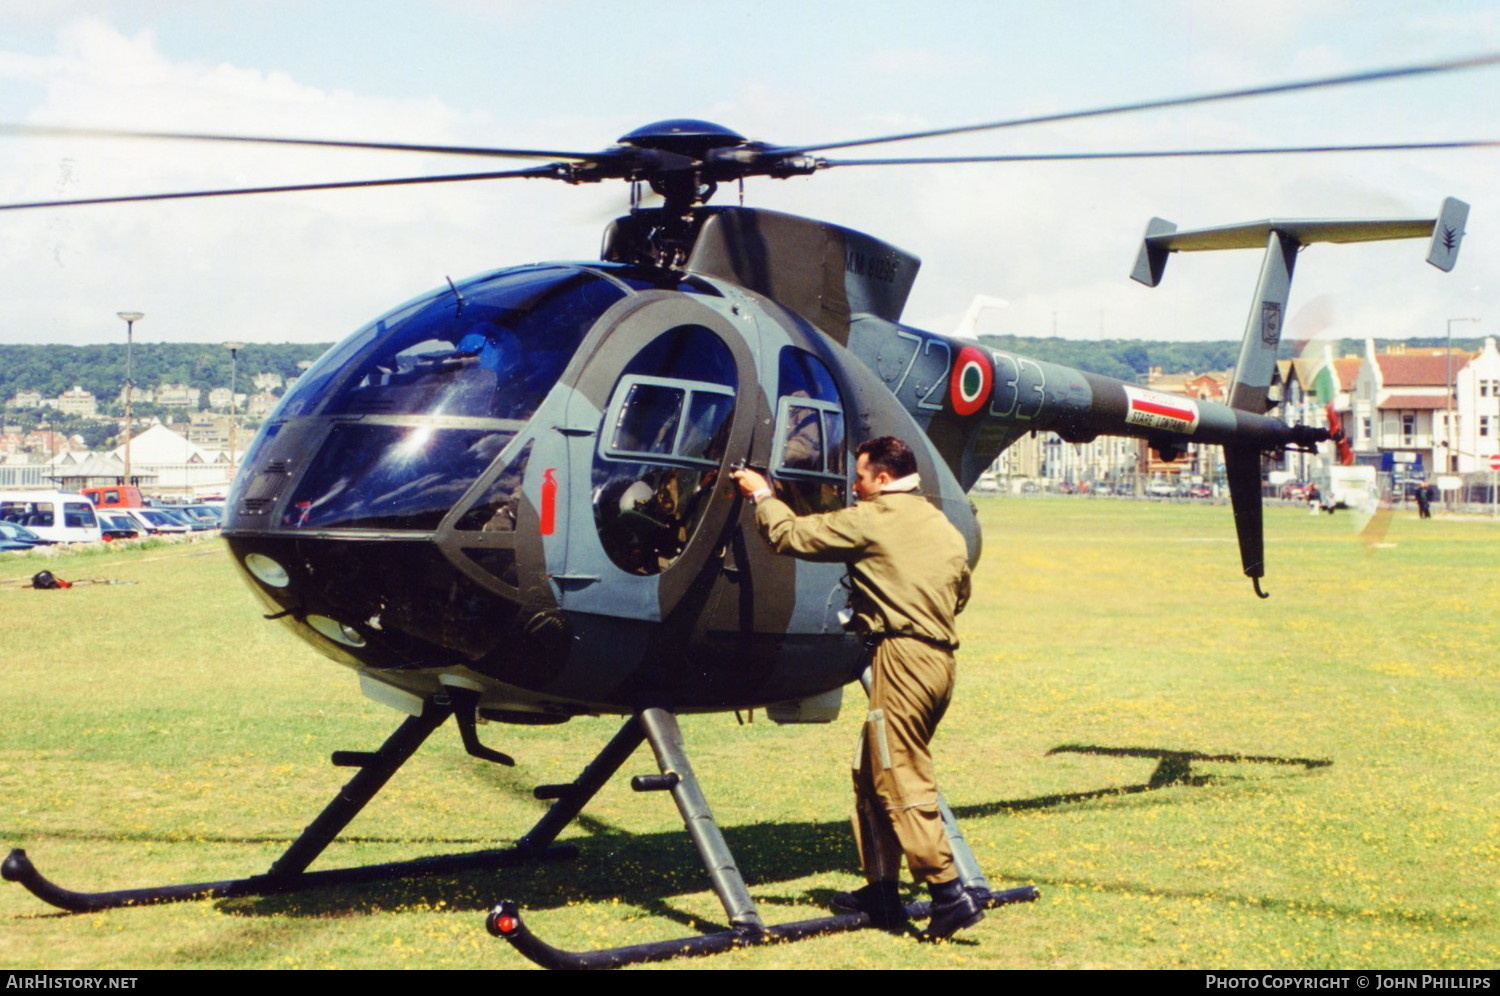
{"x":972,"y":379}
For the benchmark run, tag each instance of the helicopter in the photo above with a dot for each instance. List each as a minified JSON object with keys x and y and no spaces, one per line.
{"x":507,"y":500}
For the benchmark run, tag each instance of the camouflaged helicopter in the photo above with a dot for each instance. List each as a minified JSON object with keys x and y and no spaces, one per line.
{"x":507,"y":500}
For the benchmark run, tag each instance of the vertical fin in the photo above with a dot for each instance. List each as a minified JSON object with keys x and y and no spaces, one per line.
{"x":1151,"y":262}
{"x":1447,"y":234}
{"x":1257,"y":362}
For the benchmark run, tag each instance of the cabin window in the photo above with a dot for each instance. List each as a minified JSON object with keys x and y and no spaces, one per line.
{"x":810,"y":461}
{"x":686,"y":421}
{"x":660,"y":447}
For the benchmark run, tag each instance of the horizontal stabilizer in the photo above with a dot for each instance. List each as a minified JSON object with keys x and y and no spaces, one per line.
{"x":1253,"y":234}
{"x":1162,"y":237}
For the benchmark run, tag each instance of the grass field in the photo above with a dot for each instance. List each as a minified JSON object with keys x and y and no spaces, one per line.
{"x":160,"y":731}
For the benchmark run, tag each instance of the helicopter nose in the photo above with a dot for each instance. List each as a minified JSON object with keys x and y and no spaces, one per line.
{"x":386,"y":603}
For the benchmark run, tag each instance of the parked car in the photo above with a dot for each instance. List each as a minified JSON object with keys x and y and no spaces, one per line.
{"x":14,"y":537}
{"x":18,"y":535}
{"x":117,"y":526}
{"x":55,"y":516}
{"x":114,"y":496}
{"x":153,"y":522}
{"x":212,"y":517}
{"x":177,"y":515}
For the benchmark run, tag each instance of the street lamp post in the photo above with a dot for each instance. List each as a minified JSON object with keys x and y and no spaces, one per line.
{"x":234,"y":415}
{"x":129,"y":318}
{"x":1448,"y":404}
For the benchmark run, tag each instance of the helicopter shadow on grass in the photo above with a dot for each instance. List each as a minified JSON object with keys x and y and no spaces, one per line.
{"x":1173,"y":769}
{"x":645,"y":870}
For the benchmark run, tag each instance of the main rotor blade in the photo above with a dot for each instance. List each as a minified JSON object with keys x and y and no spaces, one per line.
{"x":56,"y":131}
{"x":1369,"y":76}
{"x":1161,"y":153}
{"x":533,"y":172}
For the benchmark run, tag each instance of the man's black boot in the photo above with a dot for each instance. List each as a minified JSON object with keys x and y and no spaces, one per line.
{"x":880,"y":900}
{"x":953,"y":909}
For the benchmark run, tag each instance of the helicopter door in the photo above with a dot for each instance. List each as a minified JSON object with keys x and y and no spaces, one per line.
{"x":644,"y":509}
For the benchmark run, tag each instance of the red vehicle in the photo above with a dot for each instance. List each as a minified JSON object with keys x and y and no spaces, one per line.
{"x":114,"y":496}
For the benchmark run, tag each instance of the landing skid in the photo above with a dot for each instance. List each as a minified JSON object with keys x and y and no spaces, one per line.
{"x":659,"y":728}
{"x":505,"y":921}
{"x":289,"y":873}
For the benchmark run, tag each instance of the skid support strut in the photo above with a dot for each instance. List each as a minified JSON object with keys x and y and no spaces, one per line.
{"x":746,"y":929}
{"x":661,"y":729}
{"x":289,"y":872}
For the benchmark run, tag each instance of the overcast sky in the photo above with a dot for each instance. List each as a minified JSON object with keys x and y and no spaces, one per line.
{"x":1057,"y":241}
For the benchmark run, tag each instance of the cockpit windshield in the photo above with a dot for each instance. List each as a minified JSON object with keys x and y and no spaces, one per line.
{"x":423,"y":400}
{"x":490,"y":347}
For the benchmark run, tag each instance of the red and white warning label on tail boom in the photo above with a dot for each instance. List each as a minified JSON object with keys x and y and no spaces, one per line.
{"x":1155,"y":410}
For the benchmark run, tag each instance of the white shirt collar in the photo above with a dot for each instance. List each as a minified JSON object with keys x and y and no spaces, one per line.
{"x":910,"y":482}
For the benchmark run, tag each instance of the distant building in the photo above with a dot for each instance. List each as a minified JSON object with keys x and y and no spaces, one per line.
{"x":20,"y":470}
{"x":1196,"y":461}
{"x":1401,"y":413}
{"x":1204,"y":386}
{"x":1476,"y":434}
{"x":25,"y":399}
{"x":177,"y":396}
{"x":209,"y":430}
{"x":180,"y":466}
{"x":77,"y":402}
{"x":49,"y":442}
{"x":260,"y":404}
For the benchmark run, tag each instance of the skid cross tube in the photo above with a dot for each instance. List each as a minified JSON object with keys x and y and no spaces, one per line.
{"x":289,"y":872}
{"x":573,"y":797}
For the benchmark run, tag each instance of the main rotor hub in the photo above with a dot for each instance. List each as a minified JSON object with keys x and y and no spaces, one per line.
{"x":683,"y":137}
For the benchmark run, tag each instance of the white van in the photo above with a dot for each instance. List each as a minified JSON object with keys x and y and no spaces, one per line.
{"x":55,"y":516}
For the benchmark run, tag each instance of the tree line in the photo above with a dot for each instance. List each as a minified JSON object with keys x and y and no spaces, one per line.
{"x":100,"y":369}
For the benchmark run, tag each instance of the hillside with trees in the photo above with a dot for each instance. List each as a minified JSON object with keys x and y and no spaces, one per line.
{"x":100,"y":369}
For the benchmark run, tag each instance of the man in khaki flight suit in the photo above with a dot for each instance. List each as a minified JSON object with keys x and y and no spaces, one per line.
{"x":910,"y":573}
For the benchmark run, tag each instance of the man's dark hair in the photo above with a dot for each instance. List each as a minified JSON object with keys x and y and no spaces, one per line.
{"x":889,"y":454}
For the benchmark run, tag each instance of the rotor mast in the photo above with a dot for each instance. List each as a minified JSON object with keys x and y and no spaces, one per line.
{"x":684,"y":160}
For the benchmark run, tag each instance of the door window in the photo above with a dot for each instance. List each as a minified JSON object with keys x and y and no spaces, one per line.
{"x":660,"y":447}
{"x":810,"y":463}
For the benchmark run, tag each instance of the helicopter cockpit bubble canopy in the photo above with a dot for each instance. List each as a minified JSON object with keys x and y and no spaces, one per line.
{"x":420,"y":402}
{"x":415,"y":405}
{"x":465,"y":484}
